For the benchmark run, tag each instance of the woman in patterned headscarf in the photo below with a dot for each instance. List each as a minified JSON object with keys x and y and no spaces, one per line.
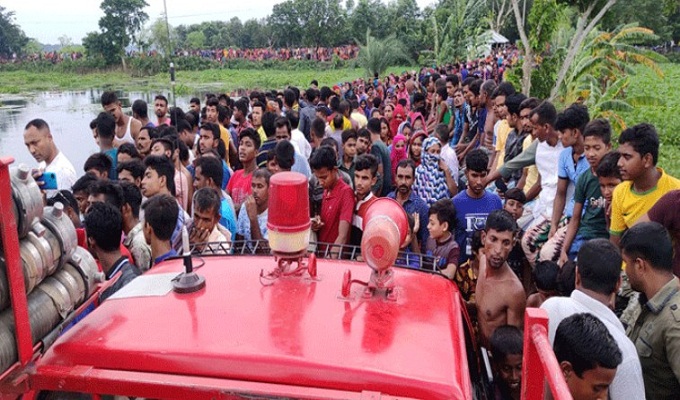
{"x":431,"y":184}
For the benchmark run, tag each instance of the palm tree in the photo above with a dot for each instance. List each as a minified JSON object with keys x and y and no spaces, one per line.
{"x":376,"y":55}
{"x":461,"y":35}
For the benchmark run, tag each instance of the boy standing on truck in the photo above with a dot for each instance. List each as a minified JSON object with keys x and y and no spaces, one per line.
{"x":160,"y":218}
{"x":441,"y":243}
{"x":104,"y":226}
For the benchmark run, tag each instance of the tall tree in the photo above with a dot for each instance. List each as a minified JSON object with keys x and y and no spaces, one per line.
{"x":456,"y":25}
{"x":163,"y":36}
{"x":286,"y":23}
{"x":405,"y":18}
{"x":308,"y":22}
{"x":527,"y":63}
{"x":122,"y":21}
{"x":369,"y":14}
{"x":500,"y":12}
{"x":12,"y":37}
{"x":195,"y":40}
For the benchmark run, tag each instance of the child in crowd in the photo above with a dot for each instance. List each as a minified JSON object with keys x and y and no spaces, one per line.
{"x":545,"y":276}
{"x":506,"y":351}
{"x":609,"y":177}
{"x":588,"y":221}
{"x":515,"y":199}
{"x":407,"y":257}
{"x":441,"y":243}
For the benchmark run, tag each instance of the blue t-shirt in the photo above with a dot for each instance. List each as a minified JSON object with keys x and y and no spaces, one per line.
{"x":227,"y":218}
{"x":113,"y":155}
{"x":301,"y":165}
{"x":567,"y":170}
{"x":226,"y":174}
{"x":471,"y":216}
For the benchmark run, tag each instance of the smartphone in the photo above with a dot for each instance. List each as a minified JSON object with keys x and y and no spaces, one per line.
{"x":501,"y":186}
{"x":49,"y":181}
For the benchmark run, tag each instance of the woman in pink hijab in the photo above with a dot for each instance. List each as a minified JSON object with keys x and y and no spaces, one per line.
{"x":398,"y":153}
{"x":398,"y":117}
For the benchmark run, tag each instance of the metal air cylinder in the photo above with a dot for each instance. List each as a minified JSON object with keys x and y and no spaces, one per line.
{"x":28,"y":201}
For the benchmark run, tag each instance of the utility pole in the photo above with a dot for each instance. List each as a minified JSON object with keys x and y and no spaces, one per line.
{"x":169,"y":53}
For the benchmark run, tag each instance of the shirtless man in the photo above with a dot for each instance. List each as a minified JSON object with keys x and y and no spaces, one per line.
{"x":127,"y":128}
{"x":500,"y":296}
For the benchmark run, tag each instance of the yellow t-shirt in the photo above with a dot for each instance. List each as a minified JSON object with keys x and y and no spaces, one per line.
{"x":226,"y":138}
{"x":263,"y":135}
{"x":501,"y":137}
{"x":532,"y":172}
{"x":628,"y":206}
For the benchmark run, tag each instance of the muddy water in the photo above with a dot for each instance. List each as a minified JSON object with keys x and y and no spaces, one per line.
{"x":68,"y":115}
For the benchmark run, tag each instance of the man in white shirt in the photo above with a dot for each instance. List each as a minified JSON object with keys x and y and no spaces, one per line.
{"x":597,"y":282}
{"x":40,"y":144}
{"x":297,"y":138}
{"x":448,"y":154}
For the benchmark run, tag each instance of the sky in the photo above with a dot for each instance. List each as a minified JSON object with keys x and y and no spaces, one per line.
{"x":47,"y":20}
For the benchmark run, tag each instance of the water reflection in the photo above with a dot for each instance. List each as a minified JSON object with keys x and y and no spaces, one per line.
{"x":68,"y":115}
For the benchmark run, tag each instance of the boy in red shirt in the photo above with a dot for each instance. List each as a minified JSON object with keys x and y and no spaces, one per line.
{"x":239,"y":186}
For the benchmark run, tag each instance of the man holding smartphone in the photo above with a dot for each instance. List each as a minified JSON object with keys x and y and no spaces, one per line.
{"x":40,"y":144}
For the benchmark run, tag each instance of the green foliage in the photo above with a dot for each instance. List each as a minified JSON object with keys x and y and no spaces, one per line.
{"x":665,"y":23}
{"x":97,"y":46}
{"x":309,"y":22}
{"x":600,"y":74}
{"x":376,"y":55}
{"x":673,"y":57}
{"x":195,"y":40}
{"x":369,"y":14}
{"x":663,"y":115}
{"x":162,"y":36}
{"x":12,"y":37}
{"x":456,"y":30}
{"x":122,"y":21}
{"x":32,"y":47}
{"x":543,"y":22}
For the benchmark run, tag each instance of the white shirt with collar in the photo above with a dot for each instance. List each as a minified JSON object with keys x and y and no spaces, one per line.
{"x":63,"y":170}
{"x":628,"y":382}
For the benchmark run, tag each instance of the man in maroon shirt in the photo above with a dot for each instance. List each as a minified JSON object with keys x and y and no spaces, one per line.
{"x":337,"y":204}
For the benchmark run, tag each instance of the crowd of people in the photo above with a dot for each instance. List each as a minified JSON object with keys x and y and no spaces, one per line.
{"x":347,"y":52}
{"x":518,"y":204}
{"x":324,"y":54}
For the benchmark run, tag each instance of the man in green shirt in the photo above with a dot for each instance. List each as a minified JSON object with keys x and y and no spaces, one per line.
{"x":648,"y":254}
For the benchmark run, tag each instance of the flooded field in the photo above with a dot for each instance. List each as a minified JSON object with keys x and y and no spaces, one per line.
{"x":68,"y":115}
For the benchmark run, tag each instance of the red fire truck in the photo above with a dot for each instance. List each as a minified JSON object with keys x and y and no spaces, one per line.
{"x":240,"y":323}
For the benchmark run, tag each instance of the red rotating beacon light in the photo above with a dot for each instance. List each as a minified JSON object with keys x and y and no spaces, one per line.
{"x":385,"y":230}
{"x":288,"y":223}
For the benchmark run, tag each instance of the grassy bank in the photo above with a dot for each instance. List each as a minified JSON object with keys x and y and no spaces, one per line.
{"x":16,"y":82}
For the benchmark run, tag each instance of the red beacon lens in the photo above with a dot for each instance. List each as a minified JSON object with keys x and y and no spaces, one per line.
{"x":385,"y":229}
{"x":288,"y":222}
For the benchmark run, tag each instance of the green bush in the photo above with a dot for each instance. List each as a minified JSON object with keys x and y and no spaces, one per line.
{"x":673,"y":56}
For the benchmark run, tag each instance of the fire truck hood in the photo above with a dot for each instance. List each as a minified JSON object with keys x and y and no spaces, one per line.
{"x":298,"y":331}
